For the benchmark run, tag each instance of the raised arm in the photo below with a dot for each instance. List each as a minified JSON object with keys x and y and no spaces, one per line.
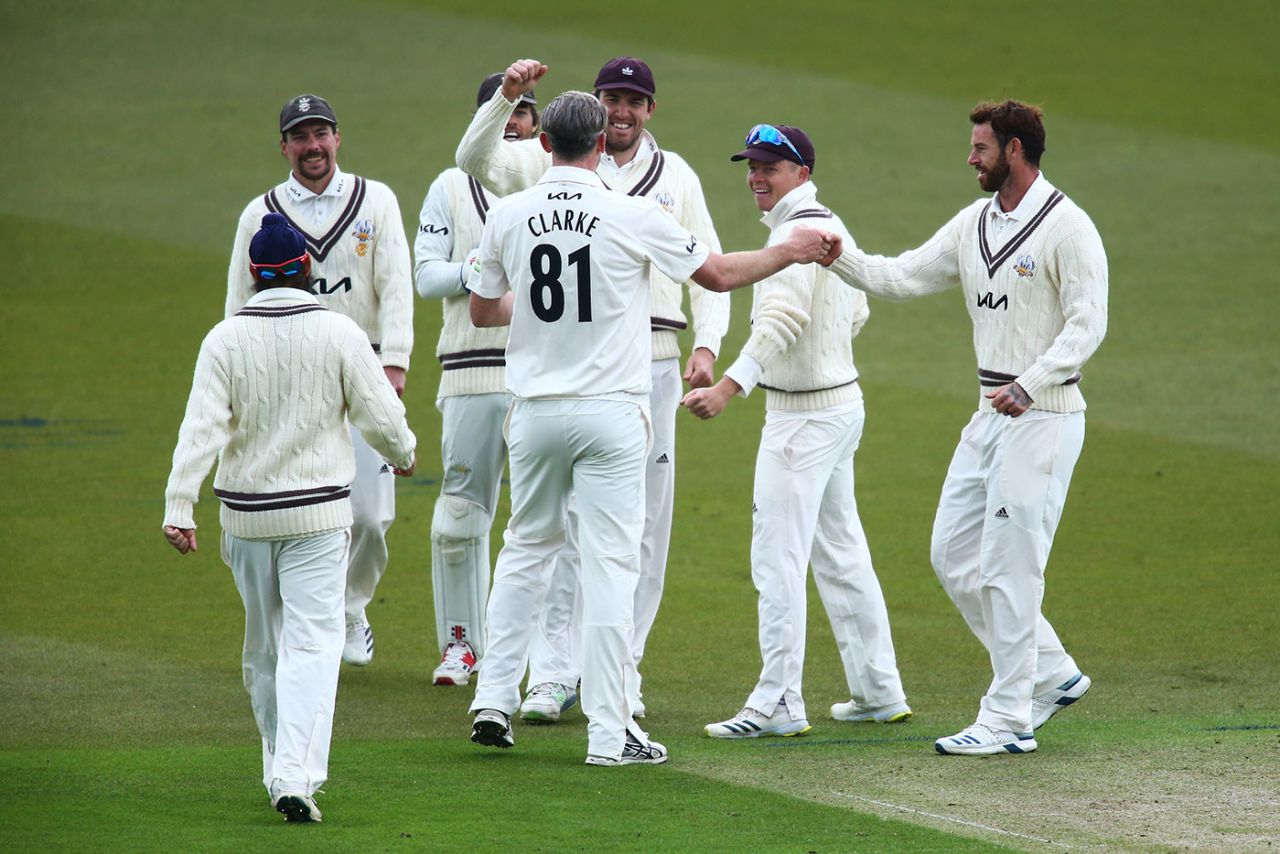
{"x":931,"y":268}
{"x":504,"y":167}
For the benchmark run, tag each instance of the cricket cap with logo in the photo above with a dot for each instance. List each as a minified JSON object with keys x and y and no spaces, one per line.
{"x":491,"y":84}
{"x":626,"y":72}
{"x":304,"y":108}
{"x":799,"y":151}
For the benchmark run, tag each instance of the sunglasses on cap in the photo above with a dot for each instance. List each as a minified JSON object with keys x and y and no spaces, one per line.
{"x":283,"y":270}
{"x":770,"y":135}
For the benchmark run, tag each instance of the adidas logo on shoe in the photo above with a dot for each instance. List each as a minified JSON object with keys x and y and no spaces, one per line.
{"x":1048,"y":704}
{"x":982,"y":740}
{"x":1002,"y":514}
{"x":750,"y":723}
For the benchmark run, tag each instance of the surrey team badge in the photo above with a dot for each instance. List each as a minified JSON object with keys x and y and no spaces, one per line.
{"x":363,"y":233}
{"x":1025,"y":267}
{"x":668,"y":203}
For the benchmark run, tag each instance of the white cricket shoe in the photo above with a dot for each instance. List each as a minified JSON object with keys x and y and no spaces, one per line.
{"x":750,"y":723}
{"x":358,"y":649}
{"x":1048,"y":704}
{"x":456,"y":665}
{"x":492,"y":728}
{"x":890,"y":714}
{"x":982,"y":740}
{"x":547,"y":701}
{"x":634,"y":752}
{"x":297,"y":807}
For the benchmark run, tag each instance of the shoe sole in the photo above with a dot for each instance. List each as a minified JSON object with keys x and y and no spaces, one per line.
{"x":1067,"y":700}
{"x":491,"y":734}
{"x":535,"y":717}
{"x":897,"y":717}
{"x":609,"y":762}
{"x":451,"y":681}
{"x":758,"y":734}
{"x":294,"y":809}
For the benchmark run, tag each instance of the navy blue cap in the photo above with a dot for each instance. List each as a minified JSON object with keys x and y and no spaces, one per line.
{"x":276,"y":242}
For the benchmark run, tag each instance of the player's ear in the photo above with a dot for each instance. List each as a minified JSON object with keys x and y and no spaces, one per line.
{"x":545,"y":140}
{"x":600,"y":143}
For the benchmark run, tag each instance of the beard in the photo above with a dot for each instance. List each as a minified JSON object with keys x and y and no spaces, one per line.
{"x":995,"y":177}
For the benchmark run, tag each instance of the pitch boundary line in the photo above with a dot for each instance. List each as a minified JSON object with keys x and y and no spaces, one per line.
{"x":974,"y":824}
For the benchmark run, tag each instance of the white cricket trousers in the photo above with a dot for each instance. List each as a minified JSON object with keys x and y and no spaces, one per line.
{"x":373,"y":509}
{"x":804,"y":513}
{"x":554,"y":655}
{"x":595,"y":449}
{"x":997,"y":516}
{"x":293,"y":636}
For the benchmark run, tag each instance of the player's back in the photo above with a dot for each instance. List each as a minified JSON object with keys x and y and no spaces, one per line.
{"x":579,"y":271}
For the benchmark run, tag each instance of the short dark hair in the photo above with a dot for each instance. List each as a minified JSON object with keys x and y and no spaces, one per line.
{"x":1014,"y":120}
{"x":573,"y":121}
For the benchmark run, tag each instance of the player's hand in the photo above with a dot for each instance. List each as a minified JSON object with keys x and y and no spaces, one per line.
{"x":700,"y":372}
{"x":395,"y":376}
{"x":1011,"y":400}
{"x":405,"y":472}
{"x":520,"y":77}
{"x":807,"y":245}
{"x":182,"y":539}
{"x":708,"y":402}
{"x":836,"y":242}
{"x":470,"y":267}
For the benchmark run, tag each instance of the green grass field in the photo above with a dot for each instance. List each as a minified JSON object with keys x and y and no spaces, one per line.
{"x":136,"y":132}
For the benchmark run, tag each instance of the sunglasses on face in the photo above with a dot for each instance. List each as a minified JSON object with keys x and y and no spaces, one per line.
{"x":283,"y":270}
{"x":770,"y":135}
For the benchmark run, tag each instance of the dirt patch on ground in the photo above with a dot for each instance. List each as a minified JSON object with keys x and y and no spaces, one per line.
{"x":1211,"y":791}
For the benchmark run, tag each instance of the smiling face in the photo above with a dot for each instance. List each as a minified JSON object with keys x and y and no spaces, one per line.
{"x":312,"y":151}
{"x":769,"y":181}
{"x":520,"y":124}
{"x":988,"y":157}
{"x":628,"y":110}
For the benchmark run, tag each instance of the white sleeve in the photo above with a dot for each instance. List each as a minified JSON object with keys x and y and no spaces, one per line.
{"x":491,"y":282}
{"x":435,"y":273}
{"x":673,"y":249}
{"x":928,"y":269}
{"x":206,"y":426}
{"x":239,"y":279}
{"x":393,"y":283}
{"x":502,"y":167}
{"x":372,"y":405}
{"x":746,"y":372}
{"x":708,"y":310}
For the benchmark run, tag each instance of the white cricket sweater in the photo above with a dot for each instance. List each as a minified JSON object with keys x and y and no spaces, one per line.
{"x":662,"y":176}
{"x":803,"y":320}
{"x":472,"y":361}
{"x":274,"y":386}
{"x":359,"y":256}
{"x":1034,"y":281}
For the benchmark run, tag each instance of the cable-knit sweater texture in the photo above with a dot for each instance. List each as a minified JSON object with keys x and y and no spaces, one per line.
{"x":274,"y":386}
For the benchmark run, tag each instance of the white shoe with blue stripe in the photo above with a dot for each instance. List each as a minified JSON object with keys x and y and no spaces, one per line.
{"x":750,"y":723}
{"x":1048,"y":704}
{"x":982,"y":740}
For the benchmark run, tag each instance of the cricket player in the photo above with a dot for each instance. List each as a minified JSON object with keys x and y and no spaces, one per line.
{"x":800,"y":352}
{"x":275,"y":386}
{"x":473,"y":403}
{"x":1034,"y":276}
{"x":566,"y":264}
{"x":360,"y":268}
{"x":632,"y":164}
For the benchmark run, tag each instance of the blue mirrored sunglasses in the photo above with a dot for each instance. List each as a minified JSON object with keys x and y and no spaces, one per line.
{"x":283,"y":270}
{"x":770,"y":135}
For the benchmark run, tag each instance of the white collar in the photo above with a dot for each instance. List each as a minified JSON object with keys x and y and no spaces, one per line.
{"x":1035,"y":197}
{"x":572,"y":175}
{"x":286,"y":295}
{"x":337,"y":187}
{"x":646,"y":149}
{"x":806,"y":192}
